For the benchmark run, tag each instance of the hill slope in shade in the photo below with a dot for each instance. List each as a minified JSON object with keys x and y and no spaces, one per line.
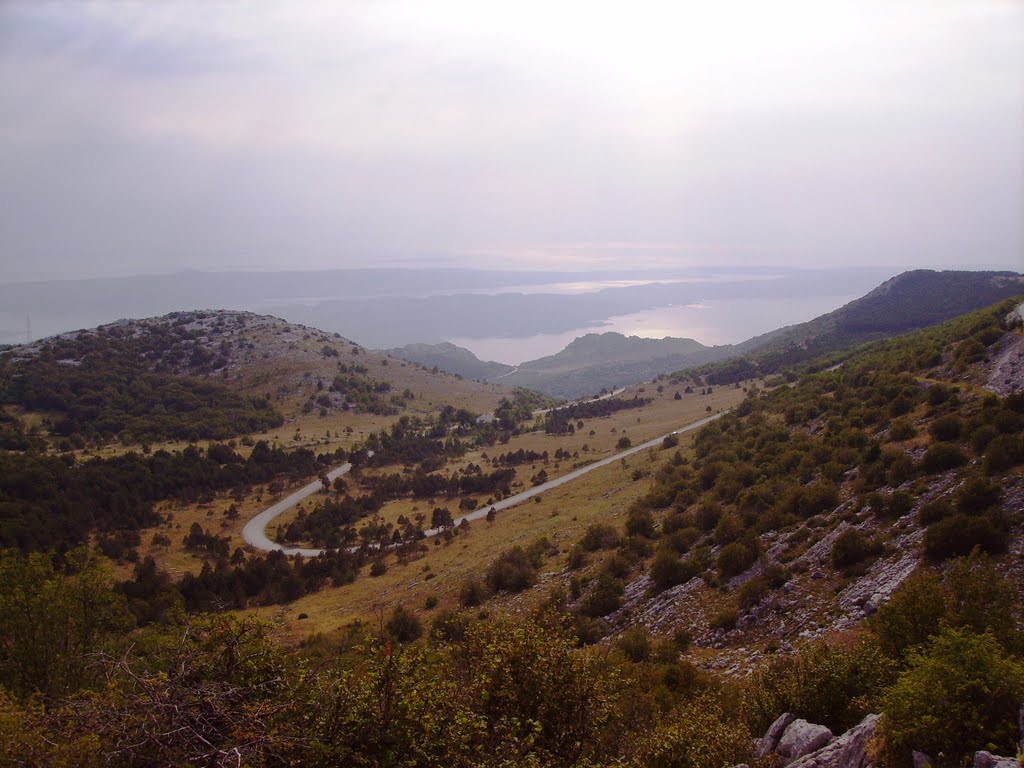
{"x":605,"y":361}
{"x":904,"y":303}
{"x":451,"y":358}
{"x":907,"y":302}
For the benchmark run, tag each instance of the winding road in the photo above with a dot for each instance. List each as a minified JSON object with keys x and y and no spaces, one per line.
{"x":255,"y":531}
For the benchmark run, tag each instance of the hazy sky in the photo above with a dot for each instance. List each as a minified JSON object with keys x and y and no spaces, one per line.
{"x":150,"y":136}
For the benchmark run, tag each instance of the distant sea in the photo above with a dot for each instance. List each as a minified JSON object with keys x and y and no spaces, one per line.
{"x":510,"y":316}
{"x":711,"y":322}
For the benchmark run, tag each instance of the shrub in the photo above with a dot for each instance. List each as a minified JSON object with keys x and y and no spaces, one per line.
{"x":599,"y":536}
{"x":577,"y":558}
{"x":938,"y":394}
{"x":624,"y":443}
{"x":695,"y":736}
{"x":982,"y":436}
{"x":752,"y":592}
{"x":976,"y":495}
{"x":836,"y":686}
{"x":616,"y":565}
{"x":449,"y":626}
{"x":958,"y":535}
{"x":947,"y":428}
{"x":404,"y":626}
{"x":735,"y":558}
{"x":683,"y":539}
{"x":912,"y":615}
{"x":725,"y":619}
{"x":640,"y":522}
{"x":635,"y":644}
{"x":513,"y":571}
{"x":941,"y":456}
{"x":851,"y":548}
{"x":981,"y":599}
{"x":472,"y":593}
{"x":899,"y":504}
{"x":708,"y":514}
{"x":668,"y":570}
{"x":1002,"y":453}
{"x":935,"y":510}
{"x":604,"y":597}
{"x":959,"y":695}
{"x":901,"y":429}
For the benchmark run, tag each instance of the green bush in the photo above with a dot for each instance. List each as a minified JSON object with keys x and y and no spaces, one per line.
{"x":752,"y":592}
{"x":899,"y":504}
{"x":957,"y":535}
{"x":682,"y":540}
{"x":635,"y":644}
{"x":1002,"y":453}
{"x":981,"y":599}
{"x":934,"y":510}
{"x":604,"y":597}
{"x":449,"y":626}
{"x":982,"y":436}
{"x":942,"y":456}
{"x":640,"y":522}
{"x":668,"y":569}
{"x":901,"y":429}
{"x":695,"y":736}
{"x":600,"y":536}
{"x":851,"y":548}
{"x":947,"y":428}
{"x":513,"y":571}
{"x":735,"y":558}
{"x":577,"y":558}
{"x":472,"y":593}
{"x":976,"y":495}
{"x":404,"y":626}
{"x":912,"y":615}
{"x":725,"y":619}
{"x":835,"y":686}
{"x":959,"y":695}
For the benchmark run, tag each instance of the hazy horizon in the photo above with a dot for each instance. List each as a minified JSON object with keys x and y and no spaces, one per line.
{"x":147,"y":138}
{"x":508,"y":316}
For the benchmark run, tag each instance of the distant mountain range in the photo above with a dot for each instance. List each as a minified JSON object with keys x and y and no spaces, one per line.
{"x":593,"y":362}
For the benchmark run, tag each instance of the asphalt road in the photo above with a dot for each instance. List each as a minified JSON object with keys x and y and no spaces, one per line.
{"x":255,"y":530}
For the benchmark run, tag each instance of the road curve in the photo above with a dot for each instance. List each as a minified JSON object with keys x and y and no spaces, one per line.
{"x":255,"y":530}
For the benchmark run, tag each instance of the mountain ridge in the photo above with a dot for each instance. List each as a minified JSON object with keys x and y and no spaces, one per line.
{"x":905,"y":302}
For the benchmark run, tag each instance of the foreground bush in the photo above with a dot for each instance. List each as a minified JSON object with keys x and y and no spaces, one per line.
{"x":697,"y":736}
{"x":833,"y":686}
{"x":959,"y":695}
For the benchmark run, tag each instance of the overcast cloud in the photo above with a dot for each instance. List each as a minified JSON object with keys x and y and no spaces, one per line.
{"x":139,"y":137}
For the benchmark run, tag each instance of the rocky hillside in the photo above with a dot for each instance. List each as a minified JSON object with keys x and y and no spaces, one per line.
{"x":214,"y":374}
{"x":803,"y":512}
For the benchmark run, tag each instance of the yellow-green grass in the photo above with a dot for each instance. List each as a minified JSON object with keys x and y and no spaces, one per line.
{"x":561,"y":515}
{"x":661,"y":416}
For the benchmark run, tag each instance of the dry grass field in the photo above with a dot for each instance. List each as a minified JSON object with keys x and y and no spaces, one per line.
{"x":560,"y":515}
{"x":661,"y":416}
